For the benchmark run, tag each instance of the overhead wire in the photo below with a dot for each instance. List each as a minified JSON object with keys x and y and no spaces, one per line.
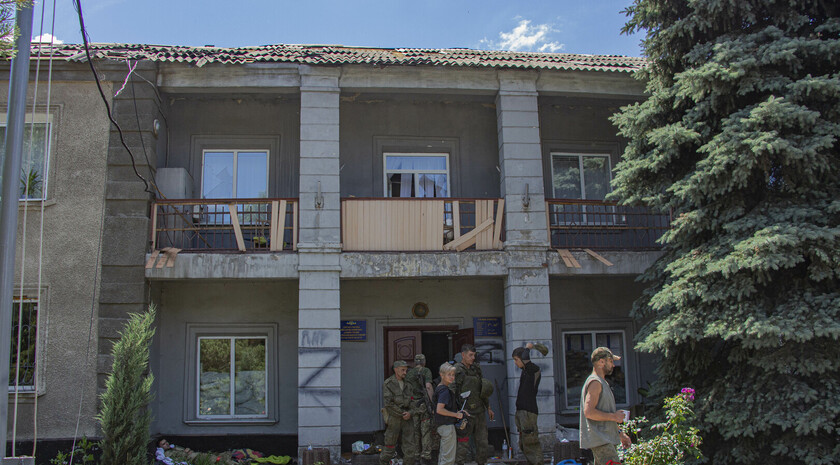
{"x":27,"y":184}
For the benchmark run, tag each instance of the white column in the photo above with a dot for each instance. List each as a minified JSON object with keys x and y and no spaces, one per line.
{"x":319,"y":341}
{"x":527,"y":305}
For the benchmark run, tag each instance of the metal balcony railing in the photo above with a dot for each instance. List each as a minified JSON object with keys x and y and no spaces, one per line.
{"x":597,"y":225}
{"x":421,"y":224}
{"x":215,"y":225}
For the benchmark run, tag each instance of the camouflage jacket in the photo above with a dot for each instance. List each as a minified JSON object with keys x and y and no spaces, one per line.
{"x":396,"y":400}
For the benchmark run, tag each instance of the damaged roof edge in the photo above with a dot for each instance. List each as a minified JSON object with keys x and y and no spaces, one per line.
{"x":332,"y":55}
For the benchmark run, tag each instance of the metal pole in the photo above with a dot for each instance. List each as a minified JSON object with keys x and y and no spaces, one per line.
{"x":15,"y":124}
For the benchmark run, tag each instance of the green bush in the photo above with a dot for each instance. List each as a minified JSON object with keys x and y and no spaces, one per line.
{"x":124,"y":417}
{"x":668,"y":443}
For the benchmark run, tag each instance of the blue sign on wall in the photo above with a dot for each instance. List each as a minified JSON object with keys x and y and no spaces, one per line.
{"x":487,"y":326}
{"x":353,"y":330}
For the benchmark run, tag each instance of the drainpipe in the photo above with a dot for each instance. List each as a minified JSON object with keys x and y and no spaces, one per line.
{"x":15,"y":124}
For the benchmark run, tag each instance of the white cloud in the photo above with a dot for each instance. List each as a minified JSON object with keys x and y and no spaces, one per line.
{"x":526,"y":38}
{"x":47,"y":39}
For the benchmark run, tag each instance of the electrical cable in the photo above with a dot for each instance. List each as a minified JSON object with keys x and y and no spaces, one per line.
{"x":97,"y":265}
{"x":85,"y":41}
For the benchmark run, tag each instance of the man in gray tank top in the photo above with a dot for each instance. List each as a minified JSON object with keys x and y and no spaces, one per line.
{"x":598,"y":416}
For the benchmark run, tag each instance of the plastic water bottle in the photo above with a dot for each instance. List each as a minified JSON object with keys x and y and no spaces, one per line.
{"x":309,"y":447}
{"x":505,"y":449}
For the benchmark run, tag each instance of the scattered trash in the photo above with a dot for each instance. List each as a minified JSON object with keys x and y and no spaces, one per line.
{"x":569,"y":434}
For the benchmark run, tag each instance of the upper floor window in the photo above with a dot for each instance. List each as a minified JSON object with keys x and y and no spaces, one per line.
{"x":580,"y":176}
{"x":35,"y":157}
{"x":240,"y":174}
{"x":577,"y":349}
{"x":416,"y":174}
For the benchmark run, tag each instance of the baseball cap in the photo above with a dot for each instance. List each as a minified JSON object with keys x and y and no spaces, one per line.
{"x":419,"y":358}
{"x":603,"y":352}
{"x":400,"y":363}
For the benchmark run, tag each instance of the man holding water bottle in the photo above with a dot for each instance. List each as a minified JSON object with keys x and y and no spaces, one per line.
{"x":599,"y":418}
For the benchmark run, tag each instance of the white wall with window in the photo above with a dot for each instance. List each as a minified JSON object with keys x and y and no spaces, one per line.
{"x":232,"y":375}
{"x":416,"y":174}
{"x":35,"y":157}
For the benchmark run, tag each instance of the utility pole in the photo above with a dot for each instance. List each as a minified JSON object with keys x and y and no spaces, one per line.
{"x":15,"y":124}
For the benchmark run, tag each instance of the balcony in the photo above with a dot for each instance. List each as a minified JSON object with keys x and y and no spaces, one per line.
{"x":421,"y":224}
{"x":225,"y":225}
{"x":596,"y":225}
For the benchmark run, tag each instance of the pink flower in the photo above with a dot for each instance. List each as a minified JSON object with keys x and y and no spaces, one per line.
{"x":688,"y":393}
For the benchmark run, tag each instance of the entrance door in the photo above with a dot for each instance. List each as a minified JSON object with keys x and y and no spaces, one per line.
{"x":461,"y":337}
{"x":404,"y":342}
{"x":401,"y":345}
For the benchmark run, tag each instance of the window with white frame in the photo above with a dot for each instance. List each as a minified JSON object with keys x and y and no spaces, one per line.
{"x":580,"y":176}
{"x":35,"y":157}
{"x":416,"y":174}
{"x":232,"y":377}
{"x":24,"y":343}
{"x":240,"y":174}
{"x":577,"y":349}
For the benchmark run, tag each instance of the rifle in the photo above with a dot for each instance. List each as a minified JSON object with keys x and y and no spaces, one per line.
{"x":426,"y":400}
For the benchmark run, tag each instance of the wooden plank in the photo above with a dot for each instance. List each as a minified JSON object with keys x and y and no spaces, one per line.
{"x":563,"y":256}
{"x":162,"y":260}
{"x":456,"y":219}
{"x":294,"y":224}
{"x":568,"y":259}
{"x":497,"y":232}
{"x":281,"y":225}
{"x":237,"y":230}
{"x":468,"y":237}
{"x":154,"y":226}
{"x":151,"y":262}
{"x":598,"y":257}
{"x":171,"y":254}
{"x":272,"y":228}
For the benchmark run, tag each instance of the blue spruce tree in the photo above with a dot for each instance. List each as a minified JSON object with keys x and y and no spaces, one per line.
{"x":740,"y":141}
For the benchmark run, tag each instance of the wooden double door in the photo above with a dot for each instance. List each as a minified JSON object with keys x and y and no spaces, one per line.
{"x":438,"y":343}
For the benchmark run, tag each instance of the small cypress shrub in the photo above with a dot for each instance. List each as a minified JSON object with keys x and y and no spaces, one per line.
{"x":124,"y":417}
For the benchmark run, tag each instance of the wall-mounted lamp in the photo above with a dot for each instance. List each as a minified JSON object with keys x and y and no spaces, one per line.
{"x":526,"y":199}
{"x":319,"y":198}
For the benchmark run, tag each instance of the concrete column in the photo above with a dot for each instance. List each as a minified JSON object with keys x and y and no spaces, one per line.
{"x":319,"y":249}
{"x":527,"y":306}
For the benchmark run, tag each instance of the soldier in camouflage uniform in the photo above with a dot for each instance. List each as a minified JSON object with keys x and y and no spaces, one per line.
{"x":397,"y":413}
{"x":420,"y":379}
{"x":468,"y":378}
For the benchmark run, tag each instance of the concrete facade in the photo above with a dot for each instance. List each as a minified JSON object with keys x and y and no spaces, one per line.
{"x":326,"y":129}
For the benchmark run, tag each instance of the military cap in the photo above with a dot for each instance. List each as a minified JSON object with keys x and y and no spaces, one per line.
{"x":603,"y":352}
{"x":400,"y":363}
{"x":419,"y":358}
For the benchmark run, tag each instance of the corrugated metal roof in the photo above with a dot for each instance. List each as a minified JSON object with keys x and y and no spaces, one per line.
{"x":342,"y":55}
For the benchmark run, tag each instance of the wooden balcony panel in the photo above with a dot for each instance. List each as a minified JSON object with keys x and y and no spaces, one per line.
{"x":415,"y":225}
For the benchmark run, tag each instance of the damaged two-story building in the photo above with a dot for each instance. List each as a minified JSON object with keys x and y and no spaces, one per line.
{"x":310,"y":214}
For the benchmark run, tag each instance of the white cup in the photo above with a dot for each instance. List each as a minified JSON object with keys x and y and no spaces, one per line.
{"x":626,"y":415}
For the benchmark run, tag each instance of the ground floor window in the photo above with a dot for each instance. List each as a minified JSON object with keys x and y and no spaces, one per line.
{"x":24,"y":342}
{"x":577,"y":348}
{"x":233,"y":375}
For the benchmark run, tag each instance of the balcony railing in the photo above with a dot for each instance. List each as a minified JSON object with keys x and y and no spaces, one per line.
{"x":253,"y":225}
{"x":595,"y":225}
{"x":438,"y":224}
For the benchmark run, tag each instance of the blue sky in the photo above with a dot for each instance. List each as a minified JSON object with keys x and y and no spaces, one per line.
{"x":568,"y":26}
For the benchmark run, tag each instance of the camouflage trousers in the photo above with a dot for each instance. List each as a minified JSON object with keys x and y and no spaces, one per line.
{"x":476,"y":429}
{"x":424,"y":433}
{"x":529,"y":436}
{"x":402,"y":430}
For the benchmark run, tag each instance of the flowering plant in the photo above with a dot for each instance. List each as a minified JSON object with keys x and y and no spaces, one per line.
{"x":667,"y":443}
